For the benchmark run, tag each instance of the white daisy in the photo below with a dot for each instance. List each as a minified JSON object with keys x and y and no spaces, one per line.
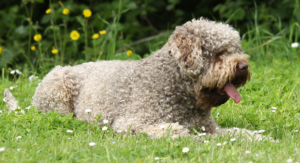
{"x":206,"y":141}
{"x":11,"y":88}
{"x":273,"y":111}
{"x":295,"y":45}
{"x":156,"y":158}
{"x":247,"y":152}
{"x":219,"y":144}
{"x":92,"y":144}
{"x":274,"y":108}
{"x":4,"y":99}
{"x":289,"y":160}
{"x":105,"y":121}
{"x":162,"y":126}
{"x":201,"y":134}
{"x":261,"y":131}
{"x":296,"y":130}
{"x":224,"y":143}
{"x":104,"y":128}
{"x":185,"y":150}
{"x":69,"y":131}
{"x":88,"y":110}
{"x":203,"y":128}
{"x":233,"y":139}
{"x":1,"y":111}
{"x":2,"y":149}
{"x":236,"y":128}
{"x":18,"y":137}
{"x":18,"y":72}
{"x":32,"y":77}
{"x":12,"y":72}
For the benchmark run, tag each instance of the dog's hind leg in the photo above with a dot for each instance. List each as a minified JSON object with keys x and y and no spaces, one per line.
{"x":55,"y":91}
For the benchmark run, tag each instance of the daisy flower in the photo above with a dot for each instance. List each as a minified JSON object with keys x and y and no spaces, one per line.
{"x":18,"y":137}
{"x":2,"y":149}
{"x":92,"y":144}
{"x":233,"y":139}
{"x":295,"y":45}
{"x":162,"y":126}
{"x":185,"y":150}
{"x":104,"y":128}
{"x":203,"y":128}
{"x":105,"y":121}
{"x":69,"y":131}
{"x":88,"y":110}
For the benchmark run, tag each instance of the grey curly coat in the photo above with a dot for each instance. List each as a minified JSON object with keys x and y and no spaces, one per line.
{"x":199,"y":67}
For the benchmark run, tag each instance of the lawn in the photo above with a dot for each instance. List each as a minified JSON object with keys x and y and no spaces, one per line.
{"x":270,"y":102}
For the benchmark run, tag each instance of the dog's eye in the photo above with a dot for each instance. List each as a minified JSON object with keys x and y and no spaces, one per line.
{"x":219,"y":54}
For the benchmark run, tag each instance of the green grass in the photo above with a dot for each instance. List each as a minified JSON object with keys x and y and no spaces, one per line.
{"x":44,"y":137}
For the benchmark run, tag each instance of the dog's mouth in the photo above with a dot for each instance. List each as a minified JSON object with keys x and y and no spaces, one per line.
{"x":231,"y":91}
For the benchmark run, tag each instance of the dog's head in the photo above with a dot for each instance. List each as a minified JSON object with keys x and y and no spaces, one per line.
{"x":210,"y":54}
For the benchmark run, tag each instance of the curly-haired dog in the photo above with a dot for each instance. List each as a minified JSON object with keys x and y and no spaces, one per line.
{"x":200,"y":67}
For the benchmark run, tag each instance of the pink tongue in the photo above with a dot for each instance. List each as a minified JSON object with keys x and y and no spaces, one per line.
{"x":233,"y":93}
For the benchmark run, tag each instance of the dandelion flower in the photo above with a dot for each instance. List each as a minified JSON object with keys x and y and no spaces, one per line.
{"x":103,"y":32}
{"x":0,"y":49}
{"x":185,"y":150}
{"x":87,"y":13}
{"x":233,"y":139}
{"x":95,"y":36}
{"x":162,"y":126}
{"x":105,"y":121}
{"x":69,"y":131}
{"x":203,"y":128}
{"x":129,"y":52}
{"x":66,"y":11}
{"x":88,"y":110}
{"x":54,"y":51}
{"x":37,"y":37}
{"x":219,"y":144}
{"x":156,"y":158}
{"x":92,"y":144}
{"x":247,"y":152}
{"x":2,"y":149}
{"x":18,"y":137}
{"x":33,"y":48}
{"x":74,"y":35}
{"x":295,"y":45}
{"x":104,"y":128}
{"x":48,"y":11}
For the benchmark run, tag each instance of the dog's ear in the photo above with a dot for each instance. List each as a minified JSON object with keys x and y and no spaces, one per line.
{"x":185,"y":46}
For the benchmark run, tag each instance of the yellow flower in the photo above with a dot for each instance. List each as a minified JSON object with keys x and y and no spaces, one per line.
{"x":87,"y":13}
{"x":66,"y":11}
{"x":95,"y":36}
{"x":37,"y":37}
{"x":48,"y":11}
{"x":129,"y":52}
{"x":54,"y":51}
{"x":33,"y":48}
{"x":0,"y":49}
{"x":103,"y":32}
{"x":74,"y":35}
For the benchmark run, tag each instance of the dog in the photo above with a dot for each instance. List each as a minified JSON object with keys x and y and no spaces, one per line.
{"x":200,"y":67}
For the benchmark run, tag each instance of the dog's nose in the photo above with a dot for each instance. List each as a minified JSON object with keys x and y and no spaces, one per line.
{"x":242,"y":66}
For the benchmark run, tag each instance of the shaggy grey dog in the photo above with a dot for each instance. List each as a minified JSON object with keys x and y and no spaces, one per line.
{"x":200,"y":67}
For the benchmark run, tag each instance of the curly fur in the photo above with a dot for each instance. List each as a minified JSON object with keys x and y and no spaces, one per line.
{"x":175,"y":86}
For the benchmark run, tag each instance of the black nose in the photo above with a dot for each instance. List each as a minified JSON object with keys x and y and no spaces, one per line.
{"x":242,"y":66}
